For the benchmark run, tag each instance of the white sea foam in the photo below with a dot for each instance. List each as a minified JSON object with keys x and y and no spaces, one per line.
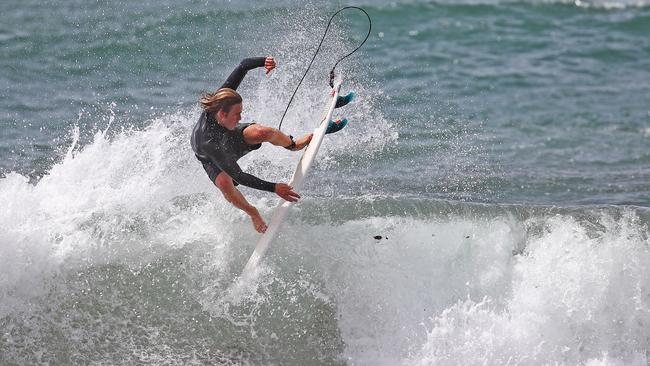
{"x":578,"y":294}
{"x":111,"y":200}
{"x":485,"y":290}
{"x":435,"y":289}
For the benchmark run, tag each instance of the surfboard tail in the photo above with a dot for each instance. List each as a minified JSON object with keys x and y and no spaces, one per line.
{"x":279,"y":214}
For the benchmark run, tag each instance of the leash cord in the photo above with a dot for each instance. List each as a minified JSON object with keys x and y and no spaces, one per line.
{"x":337,"y":62}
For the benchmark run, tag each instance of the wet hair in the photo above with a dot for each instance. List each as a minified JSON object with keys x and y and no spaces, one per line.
{"x":222,"y":99}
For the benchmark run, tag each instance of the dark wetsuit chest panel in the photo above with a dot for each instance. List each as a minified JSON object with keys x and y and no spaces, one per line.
{"x":219,"y":149}
{"x":230,"y":144}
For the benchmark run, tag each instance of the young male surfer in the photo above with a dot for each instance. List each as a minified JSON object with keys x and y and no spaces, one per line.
{"x":219,"y":140}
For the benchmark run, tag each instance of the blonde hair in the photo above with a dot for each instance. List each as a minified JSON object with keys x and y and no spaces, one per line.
{"x":222,"y":99}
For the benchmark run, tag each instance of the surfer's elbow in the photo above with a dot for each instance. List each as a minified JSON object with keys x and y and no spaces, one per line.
{"x":265,"y":133}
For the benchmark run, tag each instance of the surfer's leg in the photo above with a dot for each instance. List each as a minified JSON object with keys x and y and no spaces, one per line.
{"x":225,"y":183}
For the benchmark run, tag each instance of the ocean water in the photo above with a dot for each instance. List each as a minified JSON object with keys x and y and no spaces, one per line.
{"x":487,"y":205}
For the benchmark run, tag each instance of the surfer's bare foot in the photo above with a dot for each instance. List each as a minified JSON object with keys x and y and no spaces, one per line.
{"x":258,"y":223}
{"x":303,"y":141}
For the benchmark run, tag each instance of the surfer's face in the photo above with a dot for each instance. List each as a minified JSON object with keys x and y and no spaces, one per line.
{"x":229,"y":120}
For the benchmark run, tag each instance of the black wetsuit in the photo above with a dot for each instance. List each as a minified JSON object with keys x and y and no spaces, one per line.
{"x":219,"y":148}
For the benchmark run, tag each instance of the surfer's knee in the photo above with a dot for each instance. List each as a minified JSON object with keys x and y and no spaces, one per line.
{"x":223,"y":181}
{"x":256,"y":134}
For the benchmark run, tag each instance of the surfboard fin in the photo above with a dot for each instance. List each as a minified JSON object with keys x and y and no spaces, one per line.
{"x":345,"y":99}
{"x":335,"y":126}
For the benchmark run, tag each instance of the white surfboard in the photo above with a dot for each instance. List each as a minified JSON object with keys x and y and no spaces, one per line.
{"x":296,"y":182}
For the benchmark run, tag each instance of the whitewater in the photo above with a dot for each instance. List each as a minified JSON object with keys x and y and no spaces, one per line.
{"x":486,"y":205}
{"x":135,"y":263}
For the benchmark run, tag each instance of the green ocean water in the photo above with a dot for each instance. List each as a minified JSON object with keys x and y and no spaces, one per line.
{"x":552,"y":97}
{"x":499,"y":149}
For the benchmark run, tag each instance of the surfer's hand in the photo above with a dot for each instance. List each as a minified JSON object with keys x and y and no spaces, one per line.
{"x":269,"y":64}
{"x":286,"y":192}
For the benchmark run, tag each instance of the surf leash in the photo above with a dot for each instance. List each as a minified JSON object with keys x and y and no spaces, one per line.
{"x":332,"y":74}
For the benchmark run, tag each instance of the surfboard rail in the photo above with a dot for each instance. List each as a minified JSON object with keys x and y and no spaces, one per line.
{"x":297,"y":181}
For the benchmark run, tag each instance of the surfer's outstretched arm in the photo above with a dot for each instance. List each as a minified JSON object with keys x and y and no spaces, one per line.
{"x":246,"y":64}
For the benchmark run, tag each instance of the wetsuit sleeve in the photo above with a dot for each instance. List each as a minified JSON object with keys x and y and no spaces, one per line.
{"x":235,"y":172}
{"x":240,"y":71}
{"x":231,"y":168}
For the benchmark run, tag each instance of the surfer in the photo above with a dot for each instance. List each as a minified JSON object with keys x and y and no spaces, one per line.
{"x":219,"y":140}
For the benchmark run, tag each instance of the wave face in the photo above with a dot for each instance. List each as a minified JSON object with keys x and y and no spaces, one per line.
{"x":487,"y":204}
{"x":137,"y":262}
